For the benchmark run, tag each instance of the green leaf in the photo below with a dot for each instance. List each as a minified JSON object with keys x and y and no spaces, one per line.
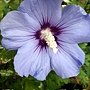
{"x":31,"y":84}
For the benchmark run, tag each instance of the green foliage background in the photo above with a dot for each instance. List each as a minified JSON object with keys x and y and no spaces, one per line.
{"x":11,"y":81}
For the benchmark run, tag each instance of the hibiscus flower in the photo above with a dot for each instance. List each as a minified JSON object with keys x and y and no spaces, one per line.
{"x":46,"y":37}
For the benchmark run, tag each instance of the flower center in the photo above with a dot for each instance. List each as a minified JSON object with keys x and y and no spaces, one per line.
{"x":47,"y":35}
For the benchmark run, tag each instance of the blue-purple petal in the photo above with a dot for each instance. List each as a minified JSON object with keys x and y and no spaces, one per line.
{"x":68,"y":60}
{"x":12,"y":45}
{"x":42,"y":10}
{"x":31,"y":60}
{"x":17,"y":28}
{"x":74,"y":25}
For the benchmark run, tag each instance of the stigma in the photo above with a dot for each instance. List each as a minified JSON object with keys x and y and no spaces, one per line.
{"x":47,"y":35}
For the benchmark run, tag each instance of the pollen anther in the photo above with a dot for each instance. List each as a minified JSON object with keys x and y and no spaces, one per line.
{"x":49,"y":38}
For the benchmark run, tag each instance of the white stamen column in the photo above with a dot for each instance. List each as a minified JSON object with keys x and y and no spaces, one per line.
{"x":47,"y":35}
